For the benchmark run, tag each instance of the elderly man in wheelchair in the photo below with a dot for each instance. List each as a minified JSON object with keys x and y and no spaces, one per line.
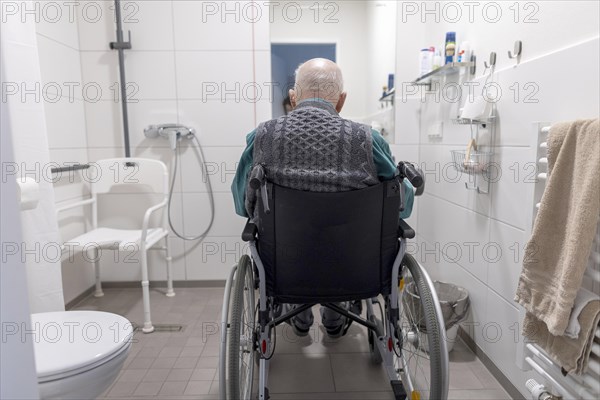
{"x":323,"y":197}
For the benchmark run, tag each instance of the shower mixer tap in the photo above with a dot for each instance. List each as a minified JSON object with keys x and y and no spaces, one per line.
{"x":172,"y":132}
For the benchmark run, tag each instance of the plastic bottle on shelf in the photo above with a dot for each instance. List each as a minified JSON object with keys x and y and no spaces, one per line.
{"x":450,"y":47}
{"x":425,"y":61}
{"x":437,"y":60}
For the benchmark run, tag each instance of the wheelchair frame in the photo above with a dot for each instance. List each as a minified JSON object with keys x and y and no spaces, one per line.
{"x":384,"y":340}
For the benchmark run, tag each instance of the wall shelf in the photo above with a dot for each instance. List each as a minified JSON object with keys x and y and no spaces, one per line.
{"x":448,"y":69}
{"x":388,"y":97}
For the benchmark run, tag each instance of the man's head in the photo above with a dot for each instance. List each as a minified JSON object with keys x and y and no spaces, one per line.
{"x":319,"y":78}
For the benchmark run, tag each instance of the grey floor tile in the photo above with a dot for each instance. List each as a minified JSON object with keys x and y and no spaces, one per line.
{"x":183,"y":365}
{"x":148,"y":389}
{"x":180,"y":375}
{"x":170,"y":351}
{"x":462,"y":377}
{"x":204,"y":374}
{"x":186,"y":362}
{"x":121,"y":389}
{"x":208,"y":362}
{"x":156,"y":375}
{"x":478,"y":395}
{"x":141,"y":363}
{"x":197,"y":387}
{"x":161,"y":363}
{"x":194,"y":351}
{"x":301,"y":373}
{"x":172,"y":388}
{"x":132,"y":375}
{"x":356,"y":373}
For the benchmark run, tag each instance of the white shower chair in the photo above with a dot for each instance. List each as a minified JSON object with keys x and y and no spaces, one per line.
{"x":106,"y":175}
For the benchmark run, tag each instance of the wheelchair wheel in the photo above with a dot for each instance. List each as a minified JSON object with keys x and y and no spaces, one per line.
{"x":241,"y":352}
{"x":421,"y":363}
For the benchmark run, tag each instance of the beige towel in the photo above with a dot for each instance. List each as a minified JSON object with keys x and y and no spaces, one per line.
{"x":557,"y":253}
{"x":572,"y":354}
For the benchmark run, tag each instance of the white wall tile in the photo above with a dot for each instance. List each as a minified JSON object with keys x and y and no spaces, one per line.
{"x":405,"y":152}
{"x":104,"y":124}
{"x":200,"y":74}
{"x":152,"y":73}
{"x":530,"y":92}
{"x":196,"y":211}
{"x":65,"y":122}
{"x":221,"y":164}
{"x":59,"y":77}
{"x":207,"y":25}
{"x":501,"y":338}
{"x":263,"y":75}
{"x":262,"y":27}
{"x":213,"y":258}
{"x":77,"y":276}
{"x":100,"y":73}
{"x":96,"y":23}
{"x":95,"y":154}
{"x":217,"y":123}
{"x":150,"y":23}
{"x":58,"y":21}
{"x":408,"y":121}
{"x":519,"y":173}
{"x":503,"y":273}
{"x":460,"y":236}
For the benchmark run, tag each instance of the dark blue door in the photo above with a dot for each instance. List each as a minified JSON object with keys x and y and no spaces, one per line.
{"x":285,"y":59}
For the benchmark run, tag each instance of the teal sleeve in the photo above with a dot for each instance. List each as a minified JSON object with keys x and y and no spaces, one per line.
{"x":386,"y":170}
{"x":240,"y":181}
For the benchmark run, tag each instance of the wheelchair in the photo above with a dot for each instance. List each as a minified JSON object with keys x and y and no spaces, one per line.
{"x":311,"y":248}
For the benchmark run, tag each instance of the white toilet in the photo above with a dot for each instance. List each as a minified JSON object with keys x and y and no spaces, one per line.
{"x":78,"y":354}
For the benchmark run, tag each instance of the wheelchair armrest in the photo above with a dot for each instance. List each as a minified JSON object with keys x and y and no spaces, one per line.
{"x":250,"y":231}
{"x":405,"y":231}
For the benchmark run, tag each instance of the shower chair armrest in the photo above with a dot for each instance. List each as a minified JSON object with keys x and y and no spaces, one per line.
{"x":147,"y":216}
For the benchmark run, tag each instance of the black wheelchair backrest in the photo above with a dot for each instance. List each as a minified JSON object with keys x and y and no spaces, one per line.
{"x":327,"y":247}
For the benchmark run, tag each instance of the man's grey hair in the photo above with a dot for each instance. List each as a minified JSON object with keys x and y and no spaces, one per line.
{"x":326,"y":83}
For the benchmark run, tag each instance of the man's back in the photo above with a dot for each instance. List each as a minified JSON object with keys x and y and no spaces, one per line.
{"x":314,"y":149}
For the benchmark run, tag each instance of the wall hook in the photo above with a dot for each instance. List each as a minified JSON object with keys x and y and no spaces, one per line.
{"x":518,"y":49}
{"x":491,"y":63}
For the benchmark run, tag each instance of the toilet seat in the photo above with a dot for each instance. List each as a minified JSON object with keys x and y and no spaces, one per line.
{"x":69,"y":343}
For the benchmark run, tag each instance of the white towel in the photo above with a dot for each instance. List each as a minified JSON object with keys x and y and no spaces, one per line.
{"x":584,"y":296}
{"x":556,"y":255}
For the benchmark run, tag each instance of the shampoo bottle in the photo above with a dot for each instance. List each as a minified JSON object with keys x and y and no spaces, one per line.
{"x":450,"y":47}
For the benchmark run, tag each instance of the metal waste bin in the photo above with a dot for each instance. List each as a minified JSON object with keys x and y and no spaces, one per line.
{"x":454,"y":302}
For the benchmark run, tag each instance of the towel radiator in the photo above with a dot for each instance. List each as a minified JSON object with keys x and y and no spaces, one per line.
{"x":530,"y":356}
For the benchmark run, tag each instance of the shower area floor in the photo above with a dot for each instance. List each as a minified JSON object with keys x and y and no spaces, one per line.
{"x":183,"y":364}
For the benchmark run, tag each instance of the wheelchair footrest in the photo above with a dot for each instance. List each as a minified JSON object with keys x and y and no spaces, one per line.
{"x":399,"y":391}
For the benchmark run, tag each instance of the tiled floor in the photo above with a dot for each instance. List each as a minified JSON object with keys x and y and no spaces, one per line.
{"x":183,"y":365}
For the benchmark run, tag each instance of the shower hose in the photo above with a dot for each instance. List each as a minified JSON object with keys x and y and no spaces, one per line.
{"x":208,"y":188}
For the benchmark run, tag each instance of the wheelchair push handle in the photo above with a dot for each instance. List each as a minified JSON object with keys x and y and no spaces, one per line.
{"x":410,"y":172}
{"x":257,"y":177}
{"x":258,"y":181}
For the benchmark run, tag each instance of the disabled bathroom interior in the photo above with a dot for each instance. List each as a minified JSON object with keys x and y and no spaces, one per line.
{"x":125,"y":126}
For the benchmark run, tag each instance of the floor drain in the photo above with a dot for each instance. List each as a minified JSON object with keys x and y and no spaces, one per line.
{"x":164,"y":328}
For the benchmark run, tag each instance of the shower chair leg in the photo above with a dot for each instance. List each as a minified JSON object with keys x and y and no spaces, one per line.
{"x":148,"y":328}
{"x":98,"y":292}
{"x":169,"y":259}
